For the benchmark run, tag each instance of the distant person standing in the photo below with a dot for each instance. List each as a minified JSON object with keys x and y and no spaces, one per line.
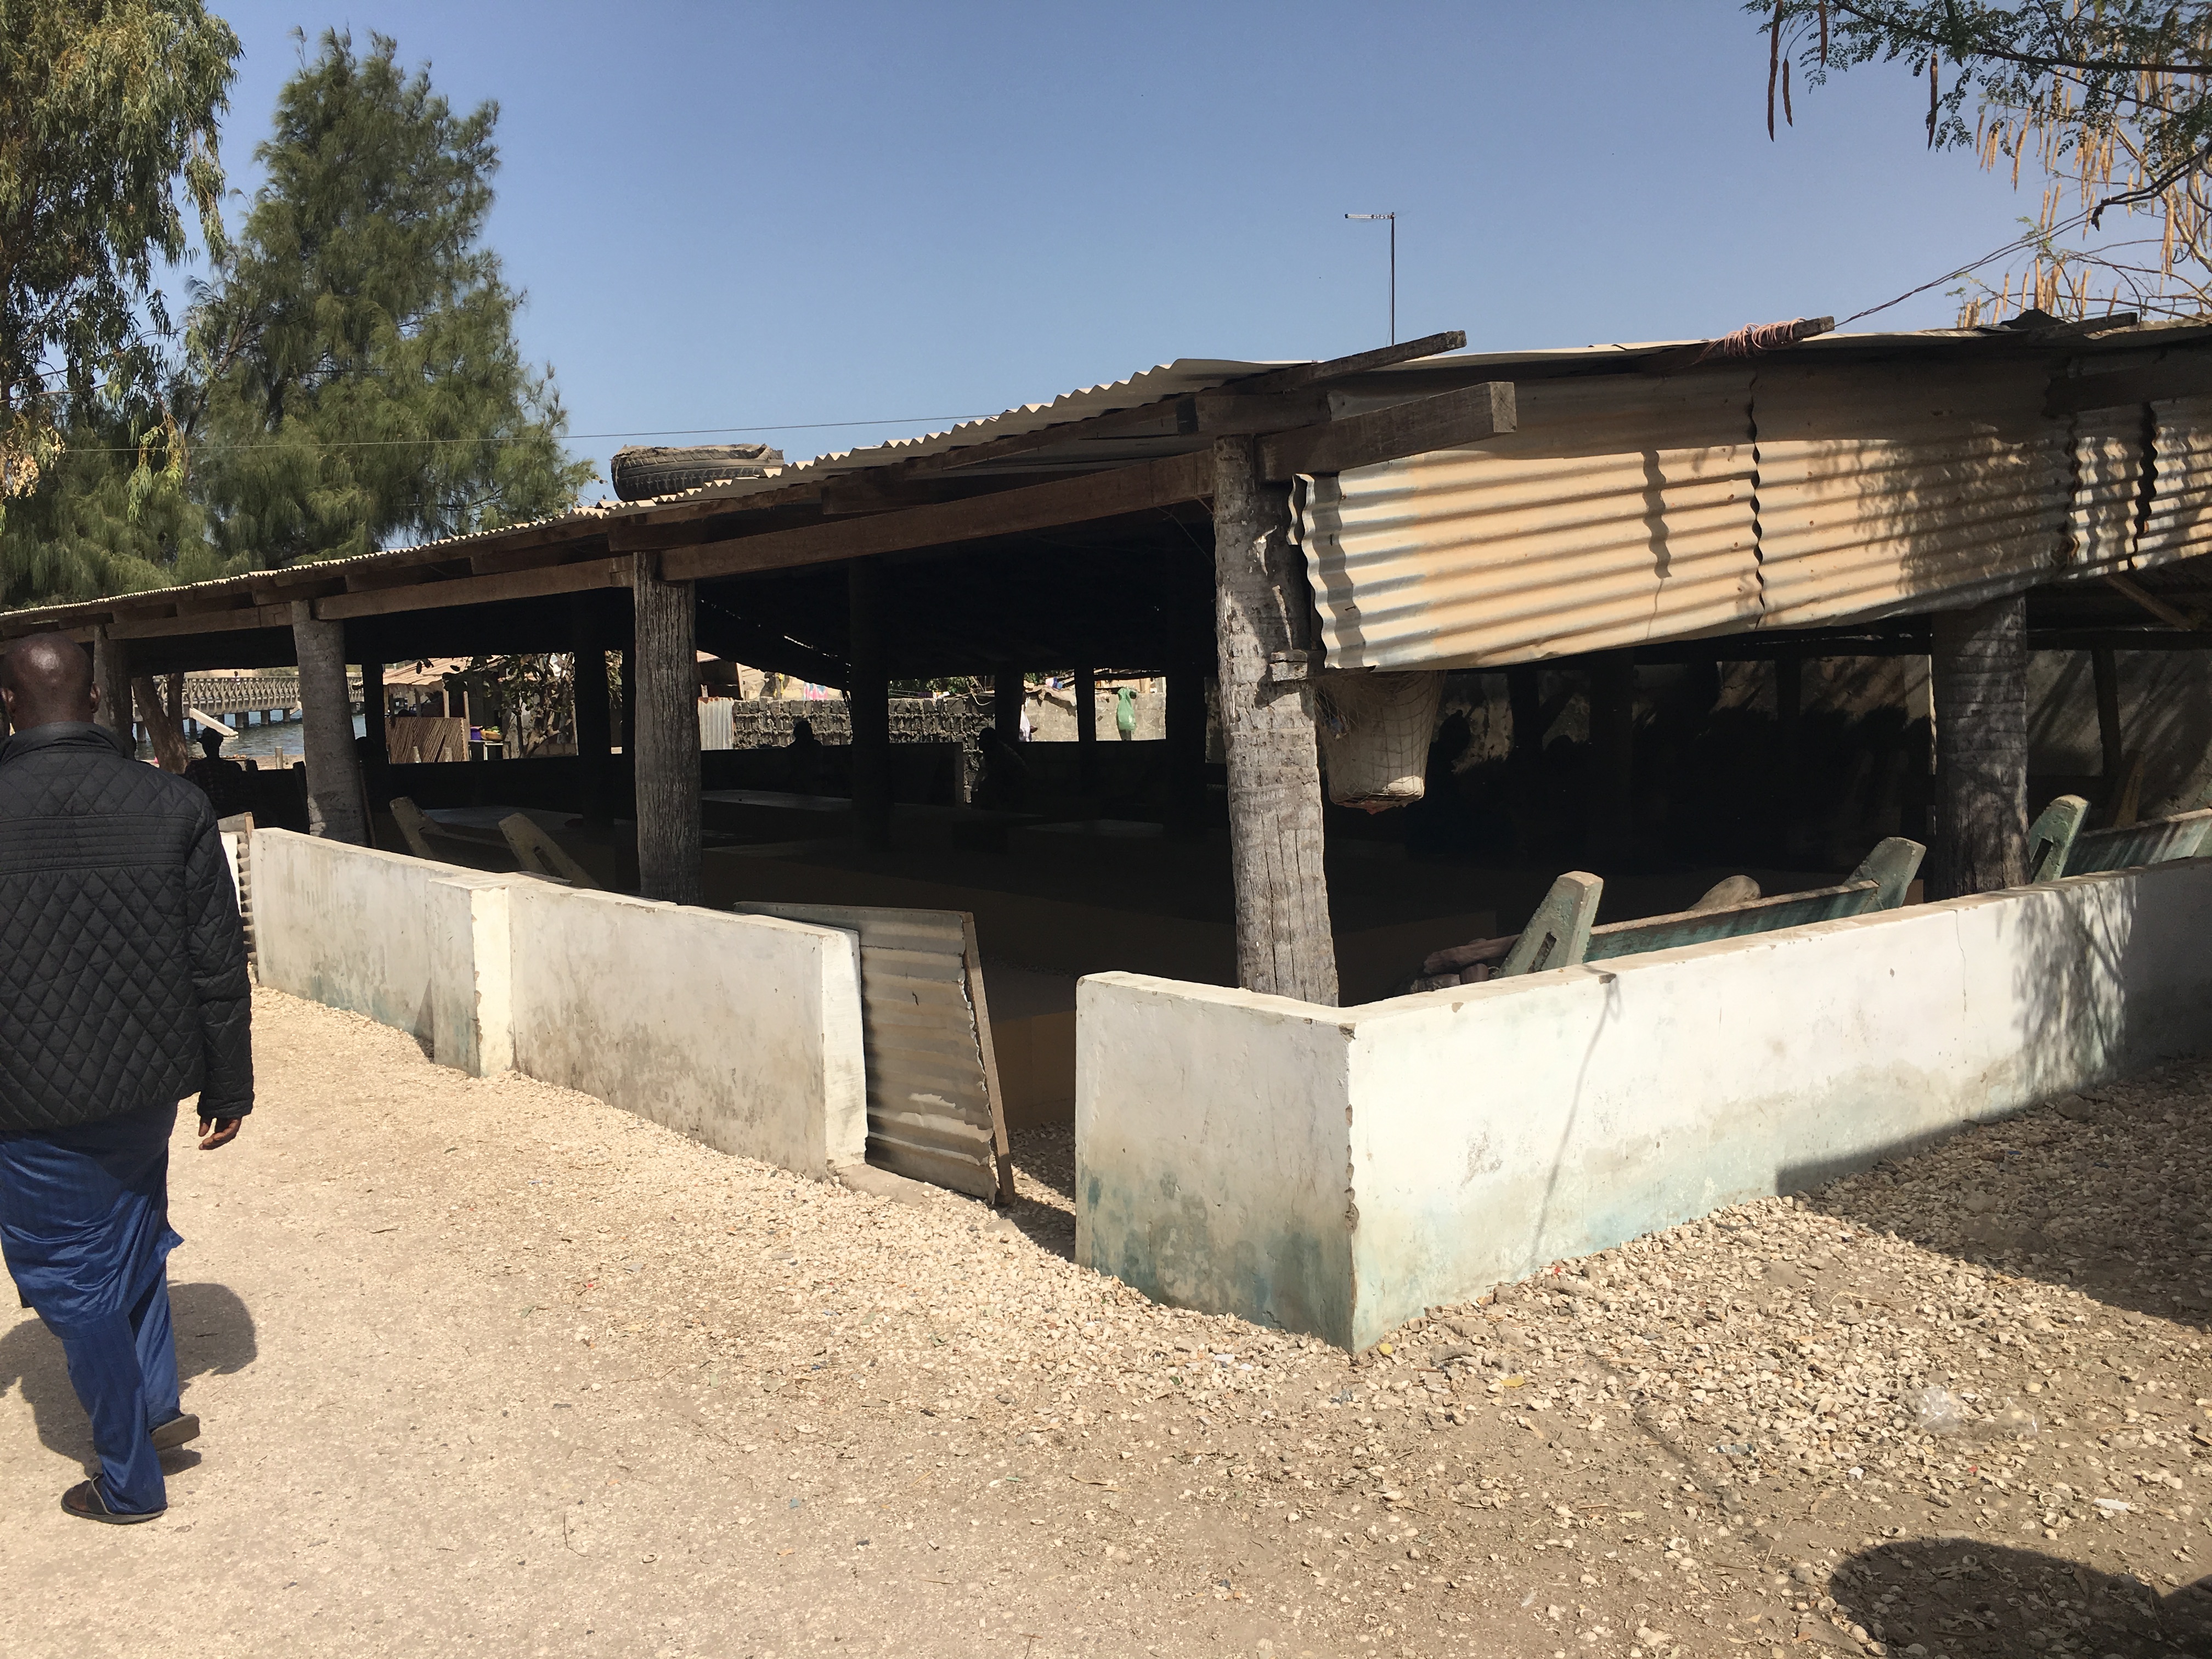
{"x":224,"y":782}
{"x":123,"y":989}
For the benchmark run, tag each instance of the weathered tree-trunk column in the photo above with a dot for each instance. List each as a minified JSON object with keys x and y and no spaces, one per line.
{"x":870,"y":694}
{"x":1086,"y":728}
{"x":336,"y":811}
{"x":164,"y":721}
{"x":1979,"y":673}
{"x":1284,"y":944}
{"x":594,"y":719}
{"x":667,"y":765}
{"x":111,"y":677}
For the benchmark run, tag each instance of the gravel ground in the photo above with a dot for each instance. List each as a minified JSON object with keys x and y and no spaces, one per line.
{"x":491,"y":1368}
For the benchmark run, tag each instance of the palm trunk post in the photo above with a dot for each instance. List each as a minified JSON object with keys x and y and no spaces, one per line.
{"x":1979,"y":673}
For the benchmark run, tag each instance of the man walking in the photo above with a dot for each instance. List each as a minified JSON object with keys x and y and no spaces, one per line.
{"x":123,"y":988}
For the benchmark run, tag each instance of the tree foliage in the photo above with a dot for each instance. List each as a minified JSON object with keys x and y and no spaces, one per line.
{"x":2104,"y":105}
{"x":108,"y":116}
{"x":361,"y":381}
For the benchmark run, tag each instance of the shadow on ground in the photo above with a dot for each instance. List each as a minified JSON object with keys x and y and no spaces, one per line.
{"x":1969,"y":1600}
{"x":2108,"y":1193}
{"x":1044,"y":1203}
{"x":215,"y":1338}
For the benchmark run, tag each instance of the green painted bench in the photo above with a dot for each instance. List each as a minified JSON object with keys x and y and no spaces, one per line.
{"x":1561,"y":935}
{"x":2058,"y":846}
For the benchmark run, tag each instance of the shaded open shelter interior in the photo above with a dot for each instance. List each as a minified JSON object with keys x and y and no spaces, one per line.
{"x":1681,"y":607}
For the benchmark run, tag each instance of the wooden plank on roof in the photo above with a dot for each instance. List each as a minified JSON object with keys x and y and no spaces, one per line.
{"x":1450,"y":420}
{"x":1009,"y":513}
{"x":579,"y":577}
{"x":1298,"y":376}
{"x":2188,"y":377}
{"x":1163,"y":416}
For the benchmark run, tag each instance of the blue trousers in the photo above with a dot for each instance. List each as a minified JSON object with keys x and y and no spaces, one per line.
{"x":84,"y":1226}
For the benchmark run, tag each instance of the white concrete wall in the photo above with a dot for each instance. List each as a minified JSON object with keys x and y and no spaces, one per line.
{"x":741,"y":1031}
{"x":352,"y":927}
{"x":744,"y":1031}
{"x":1481,"y":1132}
{"x":1210,"y":1148}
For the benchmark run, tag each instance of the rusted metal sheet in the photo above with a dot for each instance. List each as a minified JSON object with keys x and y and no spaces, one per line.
{"x":1880,"y":486}
{"x":2179,"y":522}
{"x":1628,"y":509}
{"x":2109,"y":461}
{"x":1620,"y":511}
{"x":935,"y":1110}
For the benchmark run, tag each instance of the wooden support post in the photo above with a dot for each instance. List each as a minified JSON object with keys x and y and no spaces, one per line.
{"x":667,"y":766}
{"x":1086,"y":728}
{"x":1979,"y":668}
{"x":594,"y":733}
{"x":372,"y":714}
{"x":1524,"y":697}
{"x":336,"y":810}
{"x":111,"y":679}
{"x":1006,"y":702}
{"x":2106,"y":665}
{"x":164,"y":721}
{"x":1284,"y":944}
{"x":1613,"y":752}
{"x":870,"y":693}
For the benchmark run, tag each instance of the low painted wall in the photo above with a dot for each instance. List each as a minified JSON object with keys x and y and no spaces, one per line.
{"x":373,"y":933}
{"x":743,"y":1031}
{"x":1336,"y":1170}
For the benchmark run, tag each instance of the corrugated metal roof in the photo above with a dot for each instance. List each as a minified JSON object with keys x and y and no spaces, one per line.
{"x":1619,"y":512}
{"x":1698,"y":583}
{"x":1880,"y":485}
{"x":1630,"y":509}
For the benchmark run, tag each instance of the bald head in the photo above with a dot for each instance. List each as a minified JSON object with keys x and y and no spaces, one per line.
{"x":46,"y":678}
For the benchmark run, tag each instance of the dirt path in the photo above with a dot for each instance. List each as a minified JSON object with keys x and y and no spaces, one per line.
{"x":489,"y":1368}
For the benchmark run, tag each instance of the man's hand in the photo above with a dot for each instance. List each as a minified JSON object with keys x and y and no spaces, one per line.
{"x":218,"y":1132}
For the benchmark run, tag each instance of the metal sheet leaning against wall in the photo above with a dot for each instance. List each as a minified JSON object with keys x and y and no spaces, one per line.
{"x":1883,"y":485}
{"x":1619,"y":513}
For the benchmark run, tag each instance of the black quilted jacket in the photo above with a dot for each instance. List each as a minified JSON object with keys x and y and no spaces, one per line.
{"x":122,"y":960}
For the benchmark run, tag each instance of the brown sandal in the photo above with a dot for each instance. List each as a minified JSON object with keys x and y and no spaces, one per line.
{"x":85,"y":1501}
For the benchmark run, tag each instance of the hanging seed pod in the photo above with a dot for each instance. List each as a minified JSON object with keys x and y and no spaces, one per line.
{"x":1773,"y":64}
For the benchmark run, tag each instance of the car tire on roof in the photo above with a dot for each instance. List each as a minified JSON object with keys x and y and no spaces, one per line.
{"x":642,"y":472}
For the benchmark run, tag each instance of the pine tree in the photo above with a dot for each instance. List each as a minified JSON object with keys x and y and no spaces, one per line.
{"x":107,"y":117}
{"x":363,"y":387}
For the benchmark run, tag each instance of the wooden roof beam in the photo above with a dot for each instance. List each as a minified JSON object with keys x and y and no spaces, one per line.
{"x":1450,"y":420}
{"x":581,"y":576}
{"x":1107,"y":495}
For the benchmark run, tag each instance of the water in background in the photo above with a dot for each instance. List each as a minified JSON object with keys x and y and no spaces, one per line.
{"x":289,"y":740}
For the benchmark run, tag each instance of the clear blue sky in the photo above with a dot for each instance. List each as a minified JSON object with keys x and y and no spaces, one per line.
{"x":733,"y":216}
